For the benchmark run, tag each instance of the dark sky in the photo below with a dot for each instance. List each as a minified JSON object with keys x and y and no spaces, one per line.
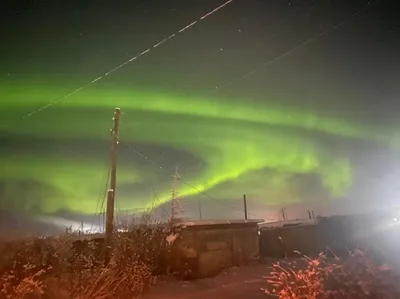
{"x":315,"y":125}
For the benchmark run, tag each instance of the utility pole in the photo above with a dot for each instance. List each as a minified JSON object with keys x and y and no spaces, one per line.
{"x":199,"y":204}
{"x":103,"y":220}
{"x":175,"y":205}
{"x":113,"y":183}
{"x":114,"y":150}
{"x":200,"y":214}
{"x":245,"y":206}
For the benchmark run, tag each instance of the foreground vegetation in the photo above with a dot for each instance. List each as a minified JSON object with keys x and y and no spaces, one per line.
{"x":64,"y":268}
{"x":355,"y":277}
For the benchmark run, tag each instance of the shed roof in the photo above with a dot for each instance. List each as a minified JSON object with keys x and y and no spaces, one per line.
{"x":209,"y":224}
{"x":288,"y":223}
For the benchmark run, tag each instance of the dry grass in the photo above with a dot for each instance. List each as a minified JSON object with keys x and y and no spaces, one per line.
{"x":357,"y":276}
{"x":66,"y":269}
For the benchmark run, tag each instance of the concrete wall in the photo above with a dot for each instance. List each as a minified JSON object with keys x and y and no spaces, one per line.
{"x":204,"y":251}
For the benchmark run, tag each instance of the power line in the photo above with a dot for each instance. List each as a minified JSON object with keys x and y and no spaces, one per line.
{"x":105,"y":194}
{"x":156,"y":45}
{"x":291,"y":51}
{"x":102,"y":195}
{"x":102,"y":192}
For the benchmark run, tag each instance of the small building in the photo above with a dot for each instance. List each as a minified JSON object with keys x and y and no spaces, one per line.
{"x":286,"y":238}
{"x":333,"y":235}
{"x":205,"y":248}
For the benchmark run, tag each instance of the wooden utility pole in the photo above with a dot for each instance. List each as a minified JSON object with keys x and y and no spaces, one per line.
{"x":108,"y":242}
{"x":103,"y":220}
{"x":283,"y":214}
{"x":245,"y":206}
{"x":113,"y":183}
{"x":199,"y":203}
{"x":200,"y":214}
{"x":114,"y":150}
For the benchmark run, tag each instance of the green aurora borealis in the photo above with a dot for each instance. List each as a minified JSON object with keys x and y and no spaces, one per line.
{"x":235,"y":140}
{"x":319,"y":124}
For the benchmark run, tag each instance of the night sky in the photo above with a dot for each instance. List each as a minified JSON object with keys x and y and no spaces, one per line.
{"x":294,"y":103}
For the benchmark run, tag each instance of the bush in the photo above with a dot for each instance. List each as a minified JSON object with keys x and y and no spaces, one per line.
{"x":63,"y":268}
{"x":357,"y":276}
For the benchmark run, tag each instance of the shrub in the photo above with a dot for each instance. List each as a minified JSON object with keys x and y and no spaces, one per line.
{"x":357,"y":276}
{"x":63,"y":268}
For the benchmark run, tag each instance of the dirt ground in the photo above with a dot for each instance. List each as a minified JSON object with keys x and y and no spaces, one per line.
{"x":245,"y":282}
